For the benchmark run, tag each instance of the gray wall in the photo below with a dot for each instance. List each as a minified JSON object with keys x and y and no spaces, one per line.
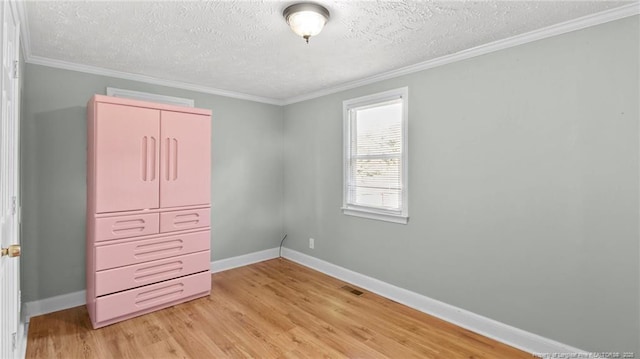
{"x":246,"y":175}
{"x":523,"y":187}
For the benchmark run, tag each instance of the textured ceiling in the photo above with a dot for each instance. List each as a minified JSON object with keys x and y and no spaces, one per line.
{"x":246,"y":46}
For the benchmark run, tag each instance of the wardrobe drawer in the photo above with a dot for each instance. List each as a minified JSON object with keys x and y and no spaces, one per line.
{"x":123,"y":254}
{"x":118,"y":279}
{"x":127,"y":226}
{"x":152,"y":296}
{"x":180,"y":220}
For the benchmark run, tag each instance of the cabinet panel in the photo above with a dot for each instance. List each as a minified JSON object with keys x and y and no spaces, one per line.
{"x":188,"y":219}
{"x":127,"y":226}
{"x":153,"y":296}
{"x":118,"y":279}
{"x":126,"y":158}
{"x":186,"y":156}
{"x":123,"y":254}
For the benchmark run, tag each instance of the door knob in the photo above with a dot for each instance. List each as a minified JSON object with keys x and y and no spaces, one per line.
{"x":11,"y":251}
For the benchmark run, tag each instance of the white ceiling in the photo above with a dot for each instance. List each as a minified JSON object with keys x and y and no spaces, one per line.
{"x":246,"y":47}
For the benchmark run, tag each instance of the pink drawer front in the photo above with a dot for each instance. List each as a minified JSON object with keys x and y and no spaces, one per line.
{"x":180,"y":220}
{"x":118,"y":279}
{"x":124,"y":254}
{"x":127,"y":226}
{"x":154,"y":296}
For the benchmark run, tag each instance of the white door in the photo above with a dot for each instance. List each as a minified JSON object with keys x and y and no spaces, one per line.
{"x":9,"y":186}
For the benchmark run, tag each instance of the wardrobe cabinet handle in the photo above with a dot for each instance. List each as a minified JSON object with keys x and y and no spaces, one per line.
{"x":175,"y":159}
{"x":153,"y":153}
{"x":143,"y":158}
{"x":167,"y":159}
{"x":171,"y":159}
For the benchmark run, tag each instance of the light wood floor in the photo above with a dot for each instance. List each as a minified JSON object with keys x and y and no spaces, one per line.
{"x":273,"y":309}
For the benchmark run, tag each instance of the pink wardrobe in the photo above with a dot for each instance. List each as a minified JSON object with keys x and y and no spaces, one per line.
{"x":148,"y":206}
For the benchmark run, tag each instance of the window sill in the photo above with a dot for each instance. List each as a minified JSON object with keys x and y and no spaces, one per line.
{"x":380,"y":216}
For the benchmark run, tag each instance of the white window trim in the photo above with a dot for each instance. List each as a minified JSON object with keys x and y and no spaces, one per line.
{"x":370,"y":212}
{"x":151,"y":97}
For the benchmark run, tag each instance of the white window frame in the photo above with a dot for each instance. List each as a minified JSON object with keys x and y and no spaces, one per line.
{"x":401,"y":216}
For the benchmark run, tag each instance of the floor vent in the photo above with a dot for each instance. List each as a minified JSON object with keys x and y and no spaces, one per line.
{"x":352,"y":290}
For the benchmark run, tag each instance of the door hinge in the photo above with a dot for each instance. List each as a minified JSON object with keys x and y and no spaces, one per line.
{"x":14,"y":205}
{"x":14,"y":341}
{"x":15,"y":69}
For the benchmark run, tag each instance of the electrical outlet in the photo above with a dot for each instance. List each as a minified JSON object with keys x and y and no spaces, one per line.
{"x":312,"y":243}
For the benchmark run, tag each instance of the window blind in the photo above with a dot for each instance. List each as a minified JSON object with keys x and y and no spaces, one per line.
{"x":375,"y":158}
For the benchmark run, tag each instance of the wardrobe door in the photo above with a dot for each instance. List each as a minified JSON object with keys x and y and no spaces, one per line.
{"x":126,"y":158}
{"x":185,"y":159}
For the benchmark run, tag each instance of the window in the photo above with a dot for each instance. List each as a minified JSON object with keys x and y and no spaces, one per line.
{"x":375,"y":156}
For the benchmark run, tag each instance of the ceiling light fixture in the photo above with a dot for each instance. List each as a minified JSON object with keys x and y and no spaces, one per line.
{"x":306,"y":19}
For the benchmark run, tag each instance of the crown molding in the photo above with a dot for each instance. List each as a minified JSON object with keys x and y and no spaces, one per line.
{"x":44,"y":61}
{"x":543,"y":33}
{"x":553,"y":30}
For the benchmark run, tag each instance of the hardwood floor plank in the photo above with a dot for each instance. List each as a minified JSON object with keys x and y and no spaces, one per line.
{"x":271,"y":309}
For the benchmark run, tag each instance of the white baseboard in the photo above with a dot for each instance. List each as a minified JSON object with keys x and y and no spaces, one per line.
{"x":243,"y":260}
{"x":54,"y":304}
{"x":518,"y":338}
{"x":22,"y":342}
{"x":70,"y":300}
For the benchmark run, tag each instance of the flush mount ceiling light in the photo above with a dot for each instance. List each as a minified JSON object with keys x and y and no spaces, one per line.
{"x":306,"y":19}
